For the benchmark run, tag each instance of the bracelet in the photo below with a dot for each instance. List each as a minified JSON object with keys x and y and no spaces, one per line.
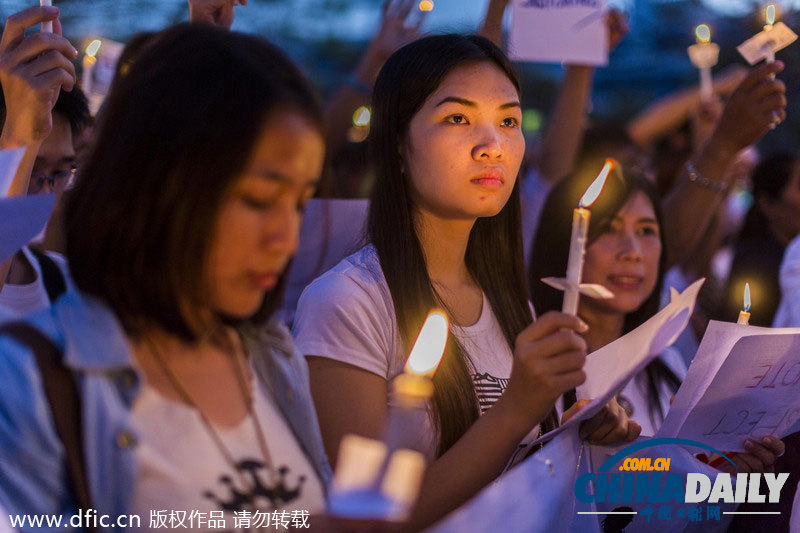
{"x":699,"y":179}
{"x":353,"y":81}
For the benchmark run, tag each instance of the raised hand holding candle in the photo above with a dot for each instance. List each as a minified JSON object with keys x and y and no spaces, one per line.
{"x":47,"y":26}
{"x":577,"y":245}
{"x":744,"y":314}
{"x":704,"y":55}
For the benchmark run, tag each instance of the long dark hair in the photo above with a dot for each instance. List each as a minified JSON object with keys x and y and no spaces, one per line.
{"x":494,"y":251}
{"x":550,"y":253}
{"x":178,"y":129}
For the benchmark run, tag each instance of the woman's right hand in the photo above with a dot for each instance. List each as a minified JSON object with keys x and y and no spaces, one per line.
{"x":548,"y":361}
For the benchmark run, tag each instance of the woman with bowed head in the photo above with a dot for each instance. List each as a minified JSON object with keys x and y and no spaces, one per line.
{"x":190,"y":396}
{"x":444,"y":231}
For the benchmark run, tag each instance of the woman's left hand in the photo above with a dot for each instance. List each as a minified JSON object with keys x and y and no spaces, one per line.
{"x":758,"y":456}
{"x":610,"y":426}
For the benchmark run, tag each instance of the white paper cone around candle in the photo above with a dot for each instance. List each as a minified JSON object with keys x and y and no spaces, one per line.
{"x":744,"y":314}
{"x":704,"y":55}
{"x":577,"y":245}
{"x":592,"y":290}
{"x":764,"y":44}
{"x":47,"y":26}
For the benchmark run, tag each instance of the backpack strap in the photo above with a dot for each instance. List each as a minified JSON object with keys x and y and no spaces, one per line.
{"x":62,"y":395}
{"x":52,"y":277}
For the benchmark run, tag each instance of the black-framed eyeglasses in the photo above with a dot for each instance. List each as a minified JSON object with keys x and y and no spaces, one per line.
{"x":58,"y":181}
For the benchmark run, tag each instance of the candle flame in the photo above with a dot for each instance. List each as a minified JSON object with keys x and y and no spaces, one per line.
{"x":429,"y":346}
{"x":591,"y":194}
{"x":770,"y":15}
{"x":746,"y":298}
{"x":426,"y":5}
{"x":362,"y":117}
{"x":703,"y":33}
{"x":93,"y":48}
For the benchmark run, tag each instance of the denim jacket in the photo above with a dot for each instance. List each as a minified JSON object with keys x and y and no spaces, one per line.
{"x":33,"y":476}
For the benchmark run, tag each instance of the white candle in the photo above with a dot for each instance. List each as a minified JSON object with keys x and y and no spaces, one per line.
{"x":703,"y":33}
{"x":577,"y":245}
{"x":89,"y":60}
{"x":704,"y":55}
{"x":47,"y":26}
{"x":744,"y":314}
{"x":770,"y":19}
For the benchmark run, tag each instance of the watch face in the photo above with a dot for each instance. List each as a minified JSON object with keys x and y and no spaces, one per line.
{"x":625,"y":404}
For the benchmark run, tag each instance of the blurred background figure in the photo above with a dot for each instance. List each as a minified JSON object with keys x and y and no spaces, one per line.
{"x":770,"y":225}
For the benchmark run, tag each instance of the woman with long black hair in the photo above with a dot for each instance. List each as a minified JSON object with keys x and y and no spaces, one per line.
{"x":444,"y":231}
{"x":625,"y":253}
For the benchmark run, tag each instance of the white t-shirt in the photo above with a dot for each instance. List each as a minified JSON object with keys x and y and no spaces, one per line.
{"x":20,"y":300}
{"x":634,"y":396}
{"x":347,"y":315}
{"x":180,"y":468}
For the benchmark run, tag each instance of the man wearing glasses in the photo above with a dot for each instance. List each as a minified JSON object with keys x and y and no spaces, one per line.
{"x":35,"y":277}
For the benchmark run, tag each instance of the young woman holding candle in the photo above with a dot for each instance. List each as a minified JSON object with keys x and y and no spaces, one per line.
{"x":191,"y":395}
{"x":444,"y":231}
{"x":624,"y":253}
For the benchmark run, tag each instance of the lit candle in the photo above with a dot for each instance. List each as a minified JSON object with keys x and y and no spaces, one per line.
{"x":744,"y":314}
{"x":770,"y":21}
{"x":415,"y":383}
{"x":47,"y":26}
{"x":381,"y":480}
{"x":707,"y":54}
{"x":89,"y":60}
{"x":577,"y":246}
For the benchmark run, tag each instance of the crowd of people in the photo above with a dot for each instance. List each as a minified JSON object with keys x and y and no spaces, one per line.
{"x":146,"y":358}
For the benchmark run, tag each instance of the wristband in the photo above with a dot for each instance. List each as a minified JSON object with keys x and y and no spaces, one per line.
{"x":695,"y":177}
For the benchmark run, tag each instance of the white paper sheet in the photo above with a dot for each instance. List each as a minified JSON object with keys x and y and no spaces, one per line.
{"x":537,"y":495}
{"x":9,"y":162}
{"x":743,"y":384}
{"x":611,"y":367}
{"x":559,"y":31}
{"x":21,"y":219}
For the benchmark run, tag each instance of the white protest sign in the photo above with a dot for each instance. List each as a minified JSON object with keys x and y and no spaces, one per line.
{"x":612,"y":366}
{"x":537,"y":495}
{"x":559,"y":31}
{"x":9,"y":162}
{"x":754,"y":393}
{"x":717,"y":343}
{"x":21,"y":219}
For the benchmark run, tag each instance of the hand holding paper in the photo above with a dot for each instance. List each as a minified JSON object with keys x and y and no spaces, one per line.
{"x":609,"y":368}
{"x":741,"y":385}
